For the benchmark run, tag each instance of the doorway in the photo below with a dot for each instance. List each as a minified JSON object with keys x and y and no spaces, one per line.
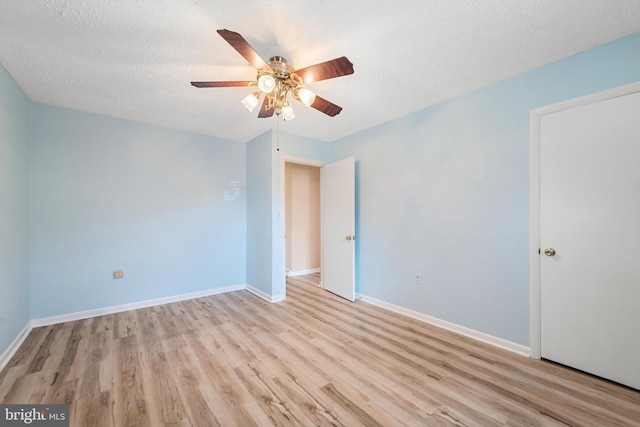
{"x":302,"y":219}
{"x":337,"y":231}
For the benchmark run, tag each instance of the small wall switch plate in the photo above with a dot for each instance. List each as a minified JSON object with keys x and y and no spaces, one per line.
{"x":118,"y":274}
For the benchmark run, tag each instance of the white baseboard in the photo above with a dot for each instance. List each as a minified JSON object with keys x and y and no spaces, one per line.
{"x":462,"y":330}
{"x":302,"y":272}
{"x":132,"y":306}
{"x":265,"y":296}
{"x":15,"y":345}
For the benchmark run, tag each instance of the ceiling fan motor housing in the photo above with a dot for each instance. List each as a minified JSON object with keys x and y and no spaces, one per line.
{"x":280,"y":67}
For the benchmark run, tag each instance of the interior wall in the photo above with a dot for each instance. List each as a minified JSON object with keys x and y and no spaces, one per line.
{"x":287,"y":215}
{"x":14,"y":210}
{"x":443,"y":194}
{"x":302,"y":218}
{"x":259,"y":214}
{"x":167,"y":207}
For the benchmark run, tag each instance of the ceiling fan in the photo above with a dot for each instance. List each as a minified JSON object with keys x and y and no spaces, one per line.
{"x":276,"y":80}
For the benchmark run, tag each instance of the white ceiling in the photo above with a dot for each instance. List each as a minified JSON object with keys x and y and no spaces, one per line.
{"x":135,"y":59}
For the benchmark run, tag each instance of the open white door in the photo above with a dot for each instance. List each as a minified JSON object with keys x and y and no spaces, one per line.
{"x":338,"y":227}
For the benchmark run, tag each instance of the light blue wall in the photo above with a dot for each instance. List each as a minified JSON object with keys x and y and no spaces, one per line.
{"x":444,"y":193}
{"x":110,"y":194}
{"x":302,"y":147}
{"x":259,"y":213}
{"x":14,"y":210}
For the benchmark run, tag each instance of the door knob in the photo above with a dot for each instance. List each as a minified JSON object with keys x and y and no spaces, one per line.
{"x":351,"y":237}
{"x":549,"y":252}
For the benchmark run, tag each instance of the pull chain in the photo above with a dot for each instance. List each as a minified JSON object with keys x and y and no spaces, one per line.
{"x":277,"y":133}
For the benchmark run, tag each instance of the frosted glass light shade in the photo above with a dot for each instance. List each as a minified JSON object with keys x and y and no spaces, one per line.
{"x":287,"y":112}
{"x":251,"y":101}
{"x":266,"y":83}
{"x":306,"y":96}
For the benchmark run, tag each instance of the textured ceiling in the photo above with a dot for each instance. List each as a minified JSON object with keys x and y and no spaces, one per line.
{"x":135,"y":59}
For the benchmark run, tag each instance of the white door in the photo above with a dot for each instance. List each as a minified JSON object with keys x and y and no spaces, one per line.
{"x":338,"y":227}
{"x":590,"y":217}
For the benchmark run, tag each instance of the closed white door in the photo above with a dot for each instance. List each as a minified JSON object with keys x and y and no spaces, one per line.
{"x":338,"y":227}
{"x":590,"y":238}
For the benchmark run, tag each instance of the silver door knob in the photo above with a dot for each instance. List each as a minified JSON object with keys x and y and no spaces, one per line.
{"x":549,"y":252}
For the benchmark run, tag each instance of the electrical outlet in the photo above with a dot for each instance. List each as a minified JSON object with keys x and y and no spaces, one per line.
{"x":118,"y":274}
{"x":417,"y":280}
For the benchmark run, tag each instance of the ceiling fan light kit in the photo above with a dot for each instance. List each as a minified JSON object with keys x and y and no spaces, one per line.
{"x":266,"y":82}
{"x":287,"y":112}
{"x":277,"y":80}
{"x":251,"y":101}
{"x":305,"y":96}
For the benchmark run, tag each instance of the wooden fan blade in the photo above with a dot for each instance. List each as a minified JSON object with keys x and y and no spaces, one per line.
{"x":223,"y":84}
{"x":324,"y":106}
{"x":264,"y":113}
{"x":326,"y":70}
{"x":244,"y":48}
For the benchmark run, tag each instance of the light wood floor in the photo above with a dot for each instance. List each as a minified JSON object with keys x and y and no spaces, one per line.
{"x":315,"y":359}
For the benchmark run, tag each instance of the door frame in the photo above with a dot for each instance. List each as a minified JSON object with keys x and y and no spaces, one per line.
{"x":535,"y":117}
{"x":283,"y":193}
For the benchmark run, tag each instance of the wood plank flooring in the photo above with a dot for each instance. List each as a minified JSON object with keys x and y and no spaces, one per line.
{"x":314,"y":359}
